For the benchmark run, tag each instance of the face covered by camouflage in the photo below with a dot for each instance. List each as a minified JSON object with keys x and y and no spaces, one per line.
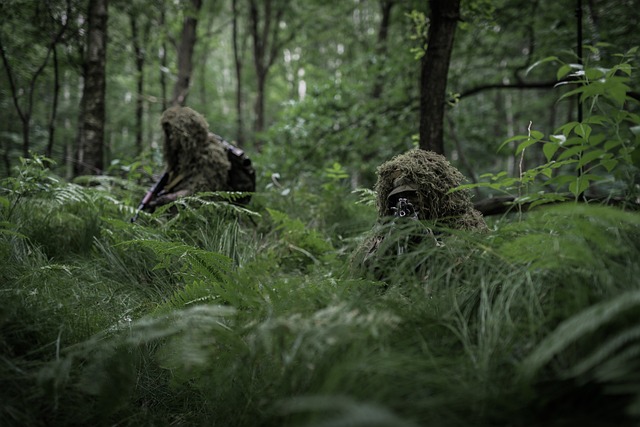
{"x":424,"y":179}
{"x":196,"y":161}
{"x":414,"y":185}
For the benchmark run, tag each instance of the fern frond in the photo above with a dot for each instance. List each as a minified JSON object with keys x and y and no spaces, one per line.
{"x":211,"y":200}
{"x":367,"y":196}
{"x":194,"y":262}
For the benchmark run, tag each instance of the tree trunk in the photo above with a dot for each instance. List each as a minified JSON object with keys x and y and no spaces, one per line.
{"x":237,"y":51}
{"x":90,"y":153}
{"x":54,"y":106}
{"x":435,"y":68}
{"x":139,"y":60}
{"x":267,"y":43}
{"x":25,"y":114}
{"x":381,"y":48}
{"x":185,"y":53}
{"x":260,"y":41}
{"x":163,"y":59}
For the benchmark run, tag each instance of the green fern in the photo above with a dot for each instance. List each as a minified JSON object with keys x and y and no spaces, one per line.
{"x":191,"y":262}
{"x":196,"y":292}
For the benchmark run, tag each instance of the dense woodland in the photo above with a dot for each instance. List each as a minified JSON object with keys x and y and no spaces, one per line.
{"x":209,"y":313}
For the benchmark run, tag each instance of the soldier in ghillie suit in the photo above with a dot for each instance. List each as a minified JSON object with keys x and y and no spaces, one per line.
{"x":197,"y":160}
{"x":415,"y":186}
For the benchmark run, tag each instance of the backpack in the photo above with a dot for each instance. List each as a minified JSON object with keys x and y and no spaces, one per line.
{"x":242,"y":175}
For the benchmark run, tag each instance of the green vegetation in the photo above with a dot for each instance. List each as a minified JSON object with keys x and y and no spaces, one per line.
{"x":208,"y":313}
{"x":255,"y":316}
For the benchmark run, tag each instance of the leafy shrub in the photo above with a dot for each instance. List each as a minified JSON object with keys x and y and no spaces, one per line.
{"x":601,"y":152}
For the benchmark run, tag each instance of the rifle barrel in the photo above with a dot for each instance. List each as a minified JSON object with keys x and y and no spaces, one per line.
{"x":153,"y":191}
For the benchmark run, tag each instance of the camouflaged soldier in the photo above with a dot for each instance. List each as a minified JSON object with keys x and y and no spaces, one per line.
{"x":415,"y":185}
{"x":199,"y":161}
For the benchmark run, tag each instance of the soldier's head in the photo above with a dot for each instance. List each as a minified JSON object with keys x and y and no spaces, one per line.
{"x":185,"y":131}
{"x":424,"y":179}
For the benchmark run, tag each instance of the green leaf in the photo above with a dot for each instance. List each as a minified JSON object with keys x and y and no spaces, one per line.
{"x":624,"y":68}
{"x":596,"y":119}
{"x":567,"y":128}
{"x":561,"y":180}
{"x":576,"y":91}
{"x":563,"y":71}
{"x":590,"y":156}
{"x":524,"y":145}
{"x":609,"y":145}
{"x":596,"y":139}
{"x":549,"y":150}
{"x":571,"y":152}
{"x":542,"y":61}
{"x":513,"y":139}
{"x":594,"y":73}
{"x":536,"y":134}
{"x":609,"y":164}
{"x":618,"y":93}
{"x":583,"y":130}
{"x":578,"y":186}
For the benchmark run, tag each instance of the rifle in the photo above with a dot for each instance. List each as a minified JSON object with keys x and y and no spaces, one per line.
{"x":404,"y":208}
{"x":153,"y":192}
{"x":234,"y":150}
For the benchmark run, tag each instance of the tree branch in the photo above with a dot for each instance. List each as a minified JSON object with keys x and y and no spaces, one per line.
{"x":520,"y":86}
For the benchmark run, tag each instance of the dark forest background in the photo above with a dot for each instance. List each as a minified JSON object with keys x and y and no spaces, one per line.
{"x":303,"y":84}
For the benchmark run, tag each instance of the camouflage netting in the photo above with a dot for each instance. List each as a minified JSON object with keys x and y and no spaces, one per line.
{"x":432,"y":176}
{"x":198,"y":159}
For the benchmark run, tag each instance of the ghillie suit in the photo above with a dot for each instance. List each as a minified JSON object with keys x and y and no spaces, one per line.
{"x":415,"y":185}
{"x":199,"y":161}
{"x":429,"y":176}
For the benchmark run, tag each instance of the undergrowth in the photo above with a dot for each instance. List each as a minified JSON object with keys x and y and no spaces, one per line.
{"x":218,"y":315}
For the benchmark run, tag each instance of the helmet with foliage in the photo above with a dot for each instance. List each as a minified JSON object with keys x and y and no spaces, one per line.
{"x":195,"y":160}
{"x":420,"y":180}
{"x":424,"y":178}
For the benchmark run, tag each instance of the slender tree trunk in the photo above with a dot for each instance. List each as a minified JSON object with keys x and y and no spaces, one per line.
{"x":237,"y":56}
{"x":376,"y":90}
{"x":381,"y":48}
{"x":91,"y":150}
{"x":259,"y":105}
{"x":163,"y":60}
{"x":6,"y":159}
{"x":25,"y":114}
{"x":435,"y":68}
{"x":185,"y":53}
{"x":139,"y":60}
{"x":54,"y":106}
{"x":56,"y":81}
{"x":267,"y":43}
{"x":260,"y":41}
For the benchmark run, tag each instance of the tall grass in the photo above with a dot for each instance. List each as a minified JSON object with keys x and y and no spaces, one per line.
{"x":244,"y":317}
